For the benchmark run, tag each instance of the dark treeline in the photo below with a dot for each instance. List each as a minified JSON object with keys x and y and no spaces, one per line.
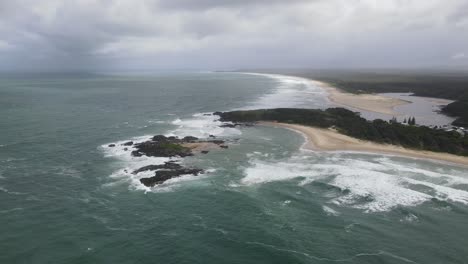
{"x":351,"y":124}
{"x":459,"y":109}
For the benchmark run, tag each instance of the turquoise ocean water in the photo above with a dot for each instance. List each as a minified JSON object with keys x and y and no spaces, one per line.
{"x":65,"y":197}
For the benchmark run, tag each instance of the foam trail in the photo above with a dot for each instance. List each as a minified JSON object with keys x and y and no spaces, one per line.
{"x":290,"y":91}
{"x":202,"y":125}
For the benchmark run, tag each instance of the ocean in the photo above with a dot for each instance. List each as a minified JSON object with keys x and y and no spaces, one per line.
{"x":66,"y":197}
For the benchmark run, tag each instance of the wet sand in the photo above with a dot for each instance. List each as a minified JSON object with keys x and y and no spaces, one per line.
{"x":367,"y":102}
{"x":329,"y":140}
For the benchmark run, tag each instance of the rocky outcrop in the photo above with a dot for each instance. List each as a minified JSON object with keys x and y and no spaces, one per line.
{"x":161,"y":149}
{"x":170,"y":165}
{"x":163,"y":175}
{"x":189,"y":139}
{"x":162,"y":146}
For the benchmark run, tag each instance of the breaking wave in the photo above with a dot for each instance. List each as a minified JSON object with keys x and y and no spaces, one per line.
{"x":374,"y":185}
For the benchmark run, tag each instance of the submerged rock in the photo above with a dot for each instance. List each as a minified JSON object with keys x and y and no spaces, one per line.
{"x":129,"y":143}
{"x":111,"y":145}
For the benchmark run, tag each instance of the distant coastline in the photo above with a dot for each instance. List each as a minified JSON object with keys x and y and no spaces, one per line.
{"x":341,"y":129}
{"x":367,"y":102}
{"x":320,"y":139}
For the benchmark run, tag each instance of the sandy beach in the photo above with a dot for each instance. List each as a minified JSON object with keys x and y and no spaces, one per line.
{"x":329,"y":140}
{"x":366,"y":102}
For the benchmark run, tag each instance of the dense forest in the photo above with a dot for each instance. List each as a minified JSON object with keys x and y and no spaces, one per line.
{"x":439,"y":84}
{"x":351,"y":124}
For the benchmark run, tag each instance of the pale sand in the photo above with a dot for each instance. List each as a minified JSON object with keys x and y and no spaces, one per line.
{"x":366,"y":102}
{"x":330,"y":140}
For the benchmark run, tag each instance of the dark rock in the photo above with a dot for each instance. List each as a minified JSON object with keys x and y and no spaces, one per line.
{"x":168,"y":166}
{"x":224,"y":146}
{"x":228,"y":125}
{"x":161,"y":149}
{"x":136,"y":153}
{"x":129,"y":143}
{"x":111,"y":145}
{"x":217,"y":142}
{"x":125,"y":149}
{"x":159,"y":138}
{"x":207,"y":114}
{"x":189,"y":139}
{"x":204,"y":152}
{"x":211,"y":136}
{"x":218,"y":113}
{"x":164,"y":175}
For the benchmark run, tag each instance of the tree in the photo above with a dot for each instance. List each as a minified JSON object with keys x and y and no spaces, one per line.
{"x":412,"y":121}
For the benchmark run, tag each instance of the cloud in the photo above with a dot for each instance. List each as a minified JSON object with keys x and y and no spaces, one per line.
{"x":125,"y":34}
{"x":459,"y":56}
{"x":210,"y":4}
{"x":5,"y":45}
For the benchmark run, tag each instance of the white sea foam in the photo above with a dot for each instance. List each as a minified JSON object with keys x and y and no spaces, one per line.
{"x":380,"y":191}
{"x":372,"y":185}
{"x":290,"y":91}
{"x":202,"y":125}
{"x":330,"y":211}
{"x":411,"y":218}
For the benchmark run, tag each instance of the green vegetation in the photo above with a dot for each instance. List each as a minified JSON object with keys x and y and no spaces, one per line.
{"x":459,"y":109}
{"x":351,"y":124}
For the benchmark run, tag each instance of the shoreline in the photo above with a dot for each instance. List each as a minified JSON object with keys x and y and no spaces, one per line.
{"x":366,"y":102}
{"x":319,"y":139}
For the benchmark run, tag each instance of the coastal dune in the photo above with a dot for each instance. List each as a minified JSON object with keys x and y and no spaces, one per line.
{"x":320,"y":139}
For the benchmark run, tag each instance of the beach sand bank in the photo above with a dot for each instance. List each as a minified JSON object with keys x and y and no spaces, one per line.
{"x":367,"y":102}
{"x":319,"y":139}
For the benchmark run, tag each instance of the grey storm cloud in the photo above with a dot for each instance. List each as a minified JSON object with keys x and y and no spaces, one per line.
{"x":226,"y":34}
{"x":208,"y":4}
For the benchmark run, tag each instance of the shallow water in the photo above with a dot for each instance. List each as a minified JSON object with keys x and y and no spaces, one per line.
{"x":426,"y":111}
{"x":65,"y":197}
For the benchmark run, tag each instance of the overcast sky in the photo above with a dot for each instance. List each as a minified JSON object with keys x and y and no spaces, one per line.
{"x":229,"y":34}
